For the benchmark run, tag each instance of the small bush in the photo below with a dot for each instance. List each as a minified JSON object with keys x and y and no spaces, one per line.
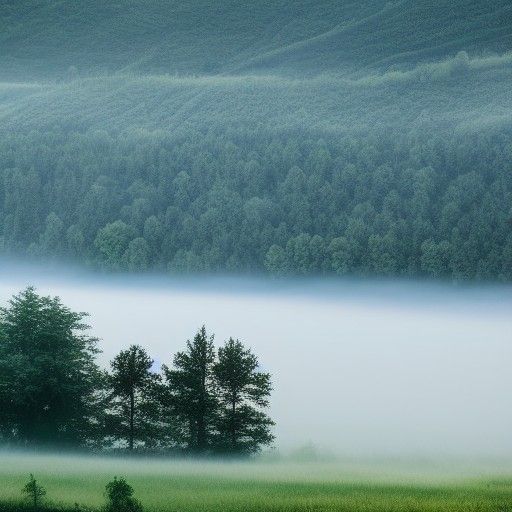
{"x":120,"y":498}
{"x":34,"y":492}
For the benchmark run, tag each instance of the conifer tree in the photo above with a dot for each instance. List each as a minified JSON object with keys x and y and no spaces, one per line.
{"x":133,"y":412}
{"x":243,"y":427}
{"x":190,"y":394}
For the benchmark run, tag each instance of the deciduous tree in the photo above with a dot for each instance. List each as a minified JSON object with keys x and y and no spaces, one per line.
{"x":49,"y":380}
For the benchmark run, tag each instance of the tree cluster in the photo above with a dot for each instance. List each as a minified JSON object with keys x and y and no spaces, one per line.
{"x":53,"y":393}
{"x":423,"y":202}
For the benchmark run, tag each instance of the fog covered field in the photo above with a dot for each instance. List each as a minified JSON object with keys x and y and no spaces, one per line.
{"x":363,"y":485}
{"x":359,"y":368}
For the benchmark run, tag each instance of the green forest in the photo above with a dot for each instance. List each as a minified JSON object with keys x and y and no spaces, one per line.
{"x":285,"y":205}
{"x":53,"y":393}
{"x":303,"y":139}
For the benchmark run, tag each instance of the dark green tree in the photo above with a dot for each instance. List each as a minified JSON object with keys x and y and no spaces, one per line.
{"x":243,"y":427}
{"x":49,"y":381}
{"x":133,"y":410}
{"x":190,"y":394}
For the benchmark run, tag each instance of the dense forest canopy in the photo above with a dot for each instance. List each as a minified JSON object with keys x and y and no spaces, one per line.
{"x":290,"y":137}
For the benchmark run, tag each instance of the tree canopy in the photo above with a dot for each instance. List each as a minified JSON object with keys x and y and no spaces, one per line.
{"x":425,"y":203}
{"x":49,"y":379}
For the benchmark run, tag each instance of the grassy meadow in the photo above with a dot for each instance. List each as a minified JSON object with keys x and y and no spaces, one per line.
{"x":263,"y":485}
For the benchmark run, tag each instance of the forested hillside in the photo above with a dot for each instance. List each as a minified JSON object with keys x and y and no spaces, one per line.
{"x":291,"y":137}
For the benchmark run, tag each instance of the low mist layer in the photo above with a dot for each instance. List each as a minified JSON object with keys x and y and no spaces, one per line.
{"x":363,"y":369}
{"x":262,"y":485}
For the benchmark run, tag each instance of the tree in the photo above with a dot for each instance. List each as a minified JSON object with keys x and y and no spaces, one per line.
{"x":49,"y":380}
{"x":340,"y":255}
{"x":298,"y":253}
{"x":34,"y":492}
{"x":153,"y":233}
{"x":189,"y":393}
{"x":112,"y":241}
{"x":275,"y":260}
{"x":51,"y":239}
{"x":243,"y":427}
{"x":120,"y":498}
{"x":75,"y":240}
{"x":435,"y":257}
{"x":133,"y":411}
{"x":137,"y":255}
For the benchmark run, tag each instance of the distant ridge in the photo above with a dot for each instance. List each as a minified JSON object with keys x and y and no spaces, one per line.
{"x":48,"y":39}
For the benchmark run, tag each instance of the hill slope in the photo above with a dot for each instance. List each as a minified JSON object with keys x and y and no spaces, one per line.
{"x":43,"y":38}
{"x":293,"y":137}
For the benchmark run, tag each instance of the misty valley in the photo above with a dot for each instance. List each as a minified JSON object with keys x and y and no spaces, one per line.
{"x":374,"y":380}
{"x":255,"y":256}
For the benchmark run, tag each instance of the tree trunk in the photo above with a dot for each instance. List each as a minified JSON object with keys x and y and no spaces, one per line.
{"x":233,"y":425}
{"x":201,"y":423}
{"x":132,"y":413}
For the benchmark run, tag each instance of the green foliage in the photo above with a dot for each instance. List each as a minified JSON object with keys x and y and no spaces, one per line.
{"x":34,"y":492}
{"x":216,"y":404}
{"x":257,"y":486}
{"x":113,"y":243}
{"x":287,"y":137}
{"x":133,"y":411}
{"x":49,"y":380}
{"x":52,"y":392}
{"x":190,"y":393}
{"x":120,"y":498}
{"x":387,"y":216}
{"x":242,"y":427}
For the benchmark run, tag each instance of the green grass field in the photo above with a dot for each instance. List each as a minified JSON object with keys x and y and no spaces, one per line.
{"x":265,"y":485}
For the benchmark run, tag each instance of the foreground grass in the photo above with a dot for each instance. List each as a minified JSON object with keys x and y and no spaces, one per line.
{"x":228,"y":487}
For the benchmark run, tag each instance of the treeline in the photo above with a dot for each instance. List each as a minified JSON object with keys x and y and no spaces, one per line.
{"x":425,"y":201}
{"x":54,"y":394}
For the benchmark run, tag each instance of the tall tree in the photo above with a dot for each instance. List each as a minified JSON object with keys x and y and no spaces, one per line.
{"x":49,"y":380}
{"x":242,"y":425}
{"x":190,"y":393}
{"x":133,"y":411}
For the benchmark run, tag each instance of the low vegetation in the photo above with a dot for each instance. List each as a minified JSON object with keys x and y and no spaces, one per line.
{"x":186,"y":486}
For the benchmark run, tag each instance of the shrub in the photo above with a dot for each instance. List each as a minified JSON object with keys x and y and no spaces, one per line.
{"x":34,"y":492}
{"x":120,"y":498}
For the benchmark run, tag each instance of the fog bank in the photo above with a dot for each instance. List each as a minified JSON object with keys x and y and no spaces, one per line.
{"x":359,"y":368}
